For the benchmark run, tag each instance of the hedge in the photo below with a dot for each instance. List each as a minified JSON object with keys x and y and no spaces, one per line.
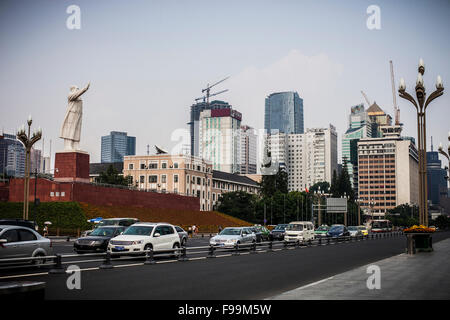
{"x":64,"y":215}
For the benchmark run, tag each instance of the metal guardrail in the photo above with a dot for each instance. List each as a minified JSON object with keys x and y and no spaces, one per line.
{"x":181,"y":254}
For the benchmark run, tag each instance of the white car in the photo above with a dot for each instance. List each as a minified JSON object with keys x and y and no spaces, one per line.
{"x":143,"y":236}
{"x":299,"y":231}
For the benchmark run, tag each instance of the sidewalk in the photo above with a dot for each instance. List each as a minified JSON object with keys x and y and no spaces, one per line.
{"x":421,"y":276}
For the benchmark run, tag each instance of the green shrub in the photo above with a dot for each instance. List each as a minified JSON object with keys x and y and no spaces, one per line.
{"x":67,"y":215}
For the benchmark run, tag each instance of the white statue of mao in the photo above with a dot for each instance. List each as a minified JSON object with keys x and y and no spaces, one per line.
{"x":71,"y":127}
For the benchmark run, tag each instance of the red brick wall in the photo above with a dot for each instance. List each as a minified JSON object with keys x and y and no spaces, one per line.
{"x":89,"y":193}
{"x":4,"y":191}
{"x":72,"y":164}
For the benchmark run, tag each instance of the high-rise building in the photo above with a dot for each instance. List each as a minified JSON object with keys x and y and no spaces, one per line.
{"x":117,"y":145}
{"x":360,"y":126}
{"x":284,"y":113}
{"x":379,"y":119}
{"x":12,"y":156}
{"x":248,"y":150}
{"x":308,"y":158}
{"x":436,"y":181}
{"x":219,"y":138}
{"x":196,"y":109}
{"x":388,"y":171}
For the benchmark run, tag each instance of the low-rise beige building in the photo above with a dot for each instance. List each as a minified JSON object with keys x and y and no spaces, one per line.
{"x":185,"y":175}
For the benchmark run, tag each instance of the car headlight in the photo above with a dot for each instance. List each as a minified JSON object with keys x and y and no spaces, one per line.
{"x":137,"y":242}
{"x":232,"y":240}
{"x":98,"y":242}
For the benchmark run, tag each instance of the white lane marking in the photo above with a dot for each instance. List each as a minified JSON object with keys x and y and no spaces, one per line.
{"x":24,"y":275}
{"x":314,"y":283}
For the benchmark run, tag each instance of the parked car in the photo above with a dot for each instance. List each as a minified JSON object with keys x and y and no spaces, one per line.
{"x":125,"y":222}
{"x":322,"y":231}
{"x":364,"y":230}
{"x":20,"y":222}
{"x":22,"y":242}
{"x":183,"y":235}
{"x":354,"y":231}
{"x":338,"y":230}
{"x":97,"y":240}
{"x":263,"y":231}
{"x":143,"y":236}
{"x":278,"y":232}
{"x":299,"y":230}
{"x":257,"y":232}
{"x":228,"y":237}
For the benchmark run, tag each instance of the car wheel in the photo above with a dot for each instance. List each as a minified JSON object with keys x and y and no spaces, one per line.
{"x":39,"y":262}
{"x":176,"y":253}
{"x":148,"y":246}
{"x":183,"y":242}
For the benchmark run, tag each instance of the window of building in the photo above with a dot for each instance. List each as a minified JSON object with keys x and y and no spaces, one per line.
{"x":175,"y":178}
{"x":175,"y":165}
{"x":130,"y":166}
{"x":163,"y":178}
{"x":153,"y":179}
{"x":142,"y":165}
{"x":164,"y":165}
{"x":153,"y":166}
{"x":142,"y":179}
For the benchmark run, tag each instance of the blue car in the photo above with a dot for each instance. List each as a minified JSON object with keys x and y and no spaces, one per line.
{"x":338,"y":230}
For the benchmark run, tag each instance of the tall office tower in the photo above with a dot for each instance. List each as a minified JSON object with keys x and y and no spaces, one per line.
{"x":360,"y":126}
{"x":388,"y":171}
{"x":320,"y":155}
{"x":379,"y":119}
{"x":219,"y":138}
{"x":436,"y":181}
{"x":12,"y":156}
{"x":196,"y":109}
{"x":284,"y":113}
{"x":248,"y":150}
{"x":35,"y":160}
{"x":308,"y":158}
{"x":117,"y":145}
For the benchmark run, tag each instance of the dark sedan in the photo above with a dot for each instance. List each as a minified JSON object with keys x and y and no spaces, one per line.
{"x":338,"y":230}
{"x":278,"y":232}
{"x":98,"y":240}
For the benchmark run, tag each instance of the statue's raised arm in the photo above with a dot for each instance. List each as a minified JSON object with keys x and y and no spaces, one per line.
{"x":75,"y":92}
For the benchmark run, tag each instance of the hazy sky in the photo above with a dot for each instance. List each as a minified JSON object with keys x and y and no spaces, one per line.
{"x":148,"y":60}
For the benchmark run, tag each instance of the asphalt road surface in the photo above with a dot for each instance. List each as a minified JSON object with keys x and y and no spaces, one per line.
{"x":247,"y":276}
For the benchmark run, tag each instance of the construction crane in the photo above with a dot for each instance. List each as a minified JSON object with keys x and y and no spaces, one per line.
{"x":211,"y":95}
{"x":396,"y":109}
{"x":208,"y":88}
{"x":367,"y":99}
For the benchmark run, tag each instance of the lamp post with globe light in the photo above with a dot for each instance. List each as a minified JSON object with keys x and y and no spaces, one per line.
{"x":421,"y":106}
{"x":28,"y":141}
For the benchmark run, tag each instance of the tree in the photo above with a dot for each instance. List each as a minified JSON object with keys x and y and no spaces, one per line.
{"x":324,"y":186}
{"x":334,"y":185}
{"x":111,"y":176}
{"x":344,"y":184}
{"x":239,"y":204}
{"x":270,"y":184}
{"x":404,"y":215}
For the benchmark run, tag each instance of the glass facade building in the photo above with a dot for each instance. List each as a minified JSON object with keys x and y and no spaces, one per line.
{"x":117,"y":145}
{"x":436,"y":184}
{"x":12,"y":156}
{"x":284,"y":113}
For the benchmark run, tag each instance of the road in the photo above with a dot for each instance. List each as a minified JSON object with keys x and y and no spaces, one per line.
{"x":247,"y":276}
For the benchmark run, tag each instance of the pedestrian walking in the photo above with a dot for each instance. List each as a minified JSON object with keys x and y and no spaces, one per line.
{"x":45,"y":231}
{"x":220,"y":229}
{"x":190,"y":232}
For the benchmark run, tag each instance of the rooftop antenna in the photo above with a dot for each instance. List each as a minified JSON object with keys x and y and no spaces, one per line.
{"x":148,"y":149}
{"x":367,"y":99}
{"x":431,"y":143}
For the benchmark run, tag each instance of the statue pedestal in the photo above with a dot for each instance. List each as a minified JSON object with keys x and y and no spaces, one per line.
{"x":72,"y":166}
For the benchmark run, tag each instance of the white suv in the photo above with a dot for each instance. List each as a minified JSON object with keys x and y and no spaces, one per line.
{"x":299,"y":230}
{"x":145,"y":236}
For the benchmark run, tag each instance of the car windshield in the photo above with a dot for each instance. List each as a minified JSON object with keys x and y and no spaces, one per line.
{"x":337,"y":229}
{"x":295,"y":227}
{"x":352,"y":228}
{"x":362,"y":228}
{"x":280,"y":228}
{"x":103,"y":232}
{"x":322,"y":228}
{"x":107,"y":223}
{"x":139,"y":231}
{"x":230,"y":232}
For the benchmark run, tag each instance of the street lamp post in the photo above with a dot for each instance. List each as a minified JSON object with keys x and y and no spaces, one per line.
{"x":446,"y":154}
{"x":421,"y":106}
{"x":358,"y":201}
{"x":28,"y":141}
{"x":371,"y":205}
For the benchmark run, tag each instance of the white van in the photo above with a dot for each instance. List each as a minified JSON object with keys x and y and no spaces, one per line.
{"x":299,"y":230}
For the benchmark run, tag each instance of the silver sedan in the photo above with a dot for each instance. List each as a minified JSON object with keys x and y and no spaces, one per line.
{"x":229,"y":237}
{"x":22,"y":242}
